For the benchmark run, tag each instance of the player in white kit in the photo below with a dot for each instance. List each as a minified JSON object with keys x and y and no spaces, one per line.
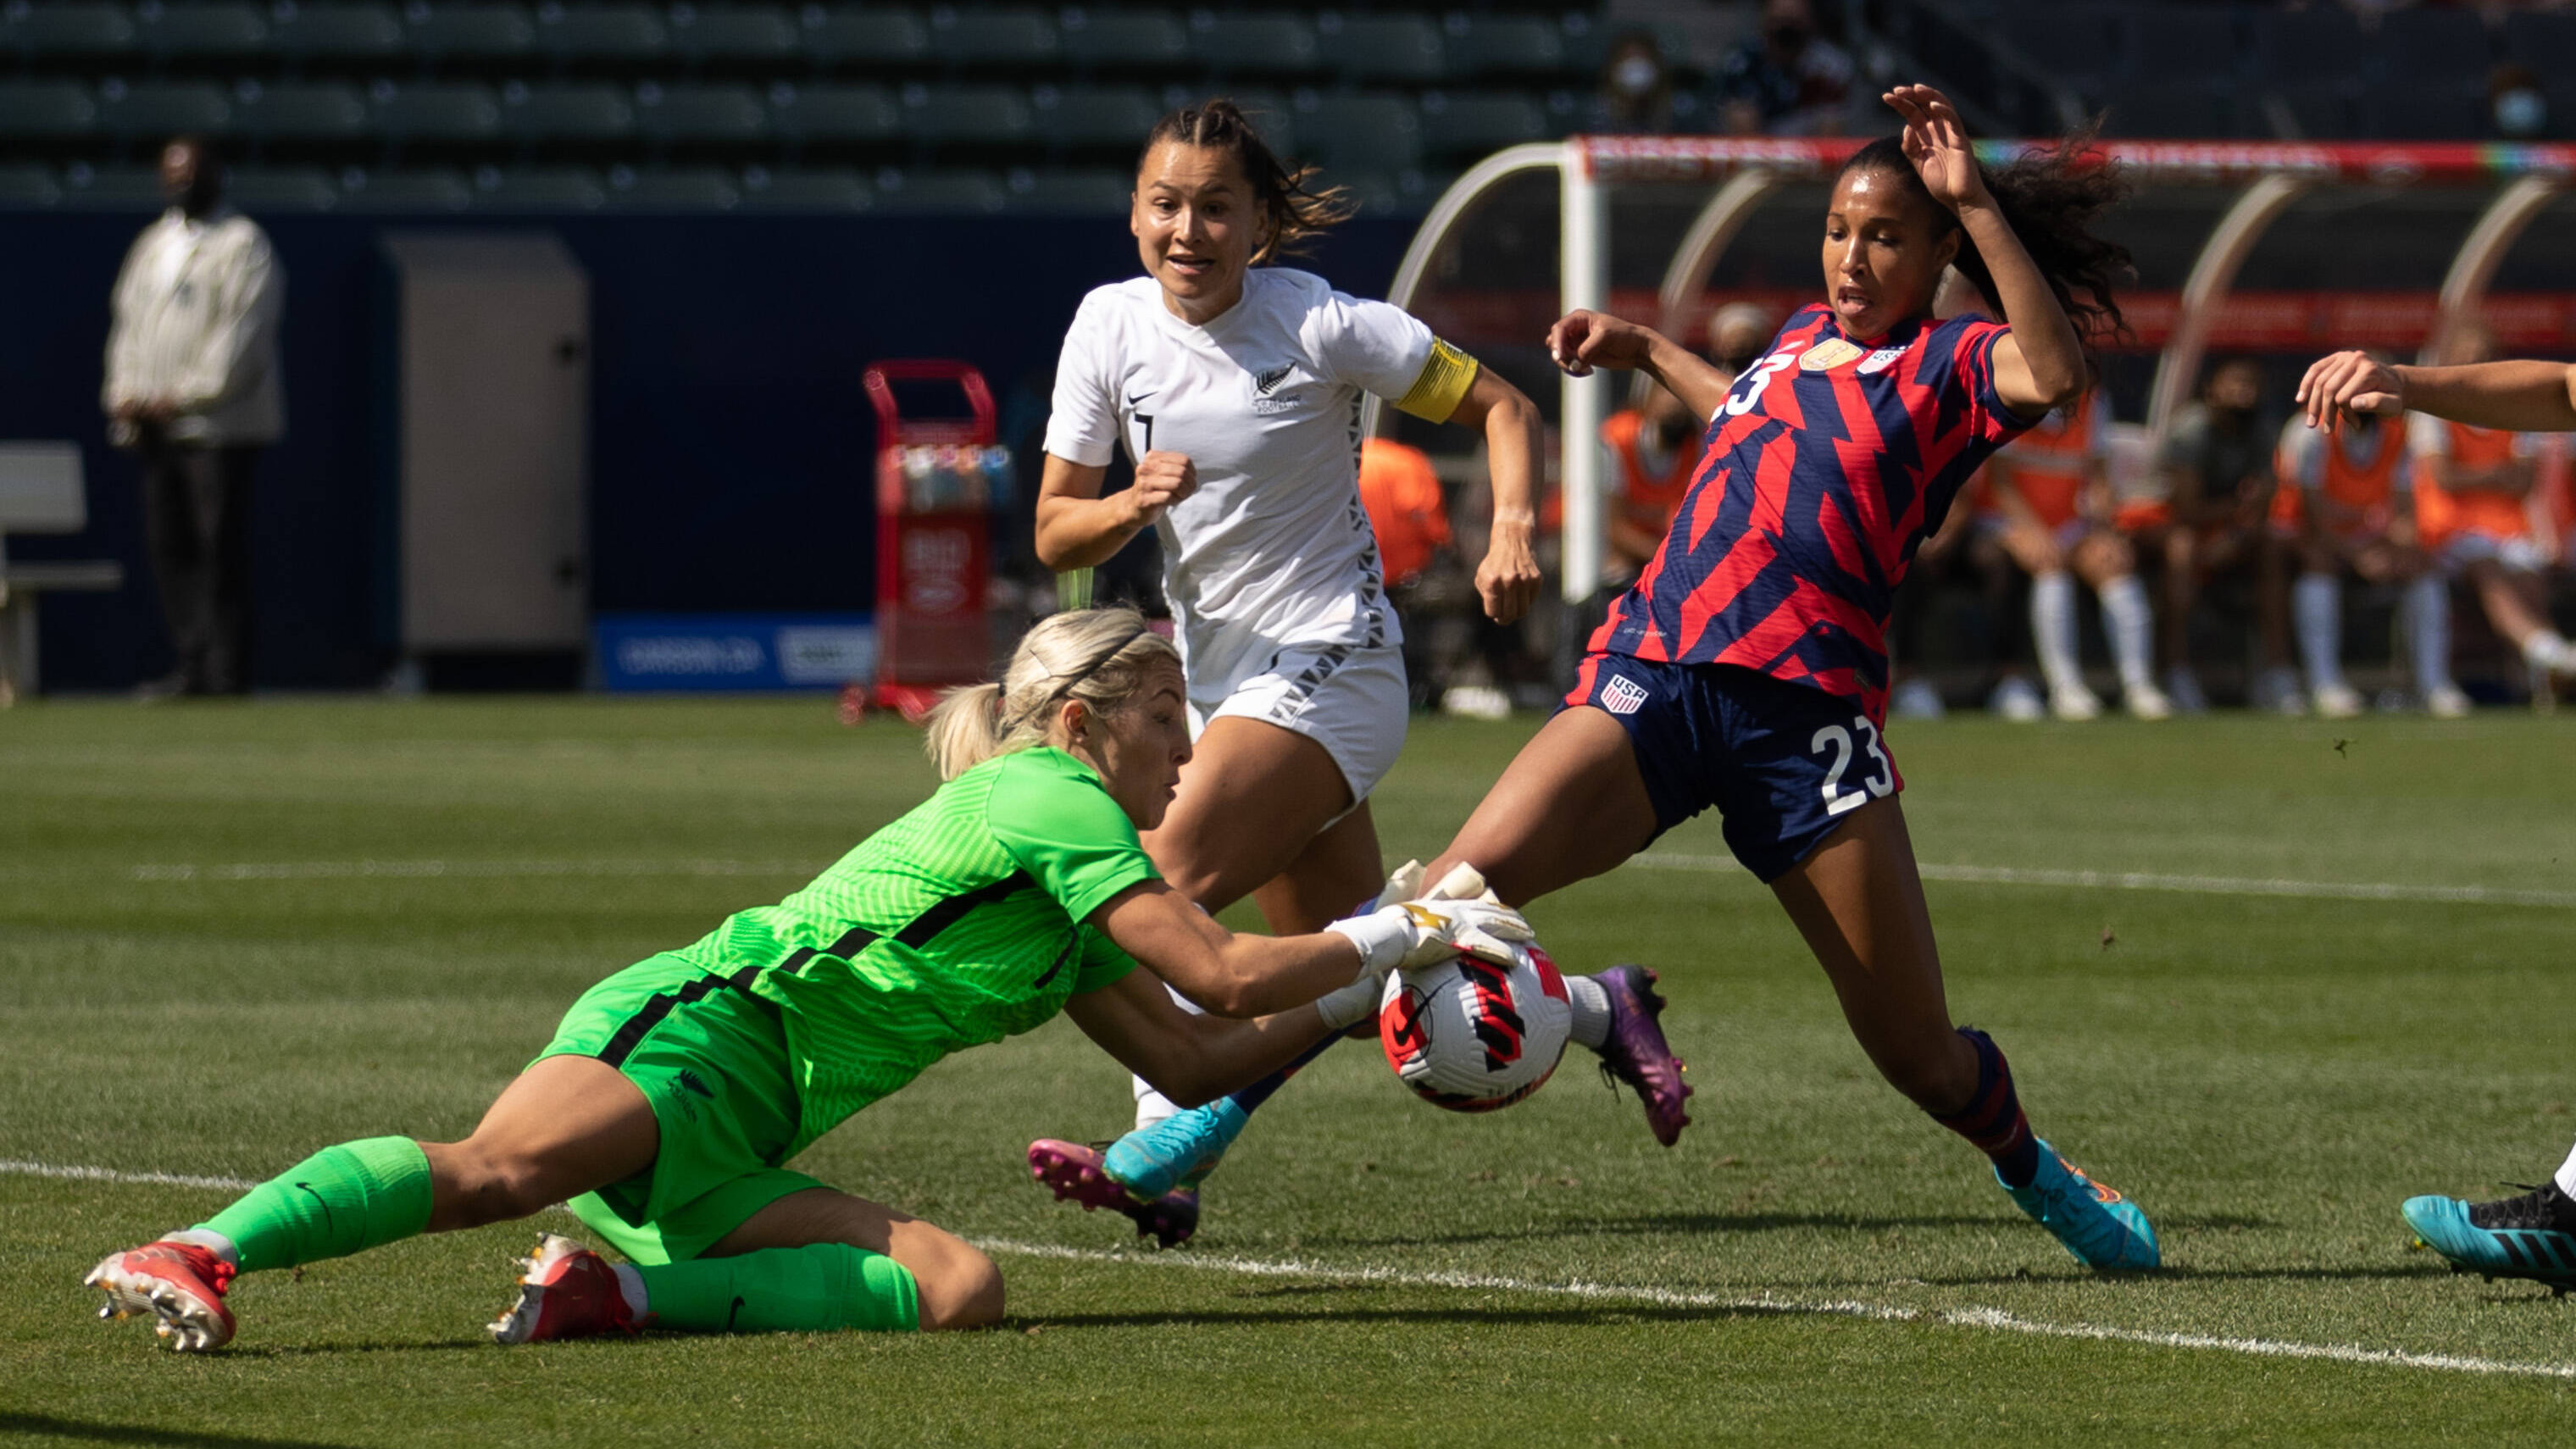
{"x":2533,"y":1235}
{"x":1236,"y":389}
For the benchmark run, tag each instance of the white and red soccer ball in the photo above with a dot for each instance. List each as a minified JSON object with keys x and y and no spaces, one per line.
{"x":1473,"y":1035}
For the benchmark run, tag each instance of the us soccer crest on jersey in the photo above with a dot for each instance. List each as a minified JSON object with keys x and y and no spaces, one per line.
{"x":1829,"y":462}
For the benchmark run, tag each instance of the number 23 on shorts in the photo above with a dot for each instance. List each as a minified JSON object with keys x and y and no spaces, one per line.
{"x":1879,"y":783}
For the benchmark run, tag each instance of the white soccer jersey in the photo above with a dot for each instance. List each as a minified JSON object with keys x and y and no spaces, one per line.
{"x":1273,"y":549}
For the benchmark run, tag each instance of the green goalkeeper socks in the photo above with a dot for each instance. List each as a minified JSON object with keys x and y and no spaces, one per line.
{"x":811,"y":1289}
{"x":341,"y":1200}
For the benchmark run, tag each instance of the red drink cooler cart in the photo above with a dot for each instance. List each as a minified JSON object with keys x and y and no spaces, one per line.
{"x":933,"y":497}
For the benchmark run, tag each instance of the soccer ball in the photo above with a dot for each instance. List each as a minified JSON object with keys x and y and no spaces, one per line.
{"x":1470,"y":1035}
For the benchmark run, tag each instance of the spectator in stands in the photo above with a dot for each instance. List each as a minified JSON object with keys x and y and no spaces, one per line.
{"x":1636,"y":95}
{"x":1653,"y":452}
{"x":2473,"y":505}
{"x":2218,"y":463}
{"x":1410,"y":516}
{"x":2052,"y":494}
{"x":2346,"y":506}
{"x":1787,"y":80}
{"x":193,"y":388}
{"x":2516,"y":103}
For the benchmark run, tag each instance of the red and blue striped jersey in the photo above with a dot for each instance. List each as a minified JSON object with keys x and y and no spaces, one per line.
{"x":1831,"y":460}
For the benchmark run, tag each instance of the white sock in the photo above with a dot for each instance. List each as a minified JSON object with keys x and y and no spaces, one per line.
{"x":2316,"y":602}
{"x":1591,"y":1011}
{"x":631,"y":1284}
{"x":2546,"y":649}
{"x":2131,"y":622}
{"x":2052,"y":628}
{"x":2428,"y":631}
{"x":208,"y":1239}
{"x":1153,"y":1107}
{"x":2567,"y":1174}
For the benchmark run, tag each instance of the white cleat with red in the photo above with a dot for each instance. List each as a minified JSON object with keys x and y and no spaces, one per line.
{"x":180,"y":1284}
{"x":566,"y":1291}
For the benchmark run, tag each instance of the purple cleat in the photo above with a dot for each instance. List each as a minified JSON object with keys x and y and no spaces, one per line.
{"x":1637,"y":1054}
{"x":1074,"y":1172}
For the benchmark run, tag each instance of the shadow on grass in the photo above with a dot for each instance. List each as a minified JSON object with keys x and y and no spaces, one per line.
{"x":30,"y":1424}
{"x":334,"y":1350}
{"x":1684,"y":1224}
{"x":2185,"y":1273}
{"x":1607,"y":1315}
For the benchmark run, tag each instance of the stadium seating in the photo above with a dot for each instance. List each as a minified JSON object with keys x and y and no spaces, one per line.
{"x":221,"y":31}
{"x":751,"y":37}
{"x":824,"y":100}
{"x":1369,"y":49}
{"x":151,"y":111}
{"x":1124,"y":41}
{"x":328,"y":34}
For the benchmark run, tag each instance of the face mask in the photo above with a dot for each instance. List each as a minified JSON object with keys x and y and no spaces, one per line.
{"x":2521,"y":113}
{"x":1636,"y":75}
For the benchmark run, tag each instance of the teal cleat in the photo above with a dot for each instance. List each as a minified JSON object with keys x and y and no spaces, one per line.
{"x":2100,"y":1227}
{"x":2516,"y":1237}
{"x":1176,"y":1152}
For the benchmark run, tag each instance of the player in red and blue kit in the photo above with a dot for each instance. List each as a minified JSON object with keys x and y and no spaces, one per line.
{"x":1747,"y":668}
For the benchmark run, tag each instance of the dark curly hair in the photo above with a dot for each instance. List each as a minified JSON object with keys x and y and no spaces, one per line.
{"x":1298,"y":210}
{"x":2050,"y":198}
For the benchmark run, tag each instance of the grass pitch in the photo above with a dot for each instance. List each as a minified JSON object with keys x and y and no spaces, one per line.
{"x":232,"y":934}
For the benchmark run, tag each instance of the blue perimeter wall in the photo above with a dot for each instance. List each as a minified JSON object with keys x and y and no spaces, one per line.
{"x":730,"y":443}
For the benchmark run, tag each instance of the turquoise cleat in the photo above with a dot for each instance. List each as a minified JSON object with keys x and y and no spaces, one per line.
{"x":1176,"y":1152}
{"x":2100,"y":1227}
{"x":2517,"y":1237}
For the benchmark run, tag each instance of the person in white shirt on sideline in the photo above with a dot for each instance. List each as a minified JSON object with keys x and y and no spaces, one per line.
{"x":193,"y":388}
{"x":1236,"y":389}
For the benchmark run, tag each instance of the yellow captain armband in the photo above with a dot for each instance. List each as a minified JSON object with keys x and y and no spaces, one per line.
{"x":1442,"y":385}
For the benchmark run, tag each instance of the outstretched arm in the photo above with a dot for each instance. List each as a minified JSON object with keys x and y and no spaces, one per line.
{"x":1508,"y":579}
{"x":2040,"y":365}
{"x":1583,"y":340}
{"x":1190,"y":1059}
{"x":2525,"y":397}
{"x":1224,"y":972}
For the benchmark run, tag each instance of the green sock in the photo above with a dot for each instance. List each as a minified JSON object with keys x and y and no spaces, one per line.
{"x":809,"y":1289}
{"x":339,"y":1201}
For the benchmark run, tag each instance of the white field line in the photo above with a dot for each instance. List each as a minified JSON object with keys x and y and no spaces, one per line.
{"x":12,"y":1168}
{"x":2206,"y":885}
{"x":1994,"y":1319}
{"x":1991,"y":1319}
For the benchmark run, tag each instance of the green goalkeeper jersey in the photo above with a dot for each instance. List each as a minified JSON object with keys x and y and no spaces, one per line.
{"x":959,"y":924}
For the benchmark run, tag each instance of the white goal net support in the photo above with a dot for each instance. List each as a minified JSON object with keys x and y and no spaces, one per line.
{"x":2282,"y":250}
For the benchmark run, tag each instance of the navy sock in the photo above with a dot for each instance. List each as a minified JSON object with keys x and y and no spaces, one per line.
{"x":1250,"y":1098}
{"x":1259,"y":1092}
{"x":1992,"y":1119}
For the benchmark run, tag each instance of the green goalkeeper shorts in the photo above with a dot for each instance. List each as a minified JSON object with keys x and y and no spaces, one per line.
{"x":712,"y":1059}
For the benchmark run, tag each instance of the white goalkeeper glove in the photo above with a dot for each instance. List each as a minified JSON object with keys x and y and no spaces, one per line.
{"x":1414,"y":927}
{"x":1420,"y":932}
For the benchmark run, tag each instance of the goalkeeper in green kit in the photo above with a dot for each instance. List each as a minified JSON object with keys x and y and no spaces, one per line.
{"x":674,"y":1092}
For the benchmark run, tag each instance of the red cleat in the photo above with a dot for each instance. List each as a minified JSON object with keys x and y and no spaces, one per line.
{"x":568,"y":1291}
{"x":180,"y":1284}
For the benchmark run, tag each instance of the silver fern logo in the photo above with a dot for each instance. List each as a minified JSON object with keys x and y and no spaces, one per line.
{"x":1267,"y":383}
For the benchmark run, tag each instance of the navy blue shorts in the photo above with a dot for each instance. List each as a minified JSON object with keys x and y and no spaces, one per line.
{"x":1783,"y":763}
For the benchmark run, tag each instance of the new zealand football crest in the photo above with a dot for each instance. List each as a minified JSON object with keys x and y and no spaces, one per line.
{"x":1266,"y":385}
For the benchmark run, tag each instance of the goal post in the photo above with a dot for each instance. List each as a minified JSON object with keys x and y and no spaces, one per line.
{"x":2452,"y":211}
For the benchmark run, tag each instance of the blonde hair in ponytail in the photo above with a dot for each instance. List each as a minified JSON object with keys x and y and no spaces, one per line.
{"x":1099,"y":656}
